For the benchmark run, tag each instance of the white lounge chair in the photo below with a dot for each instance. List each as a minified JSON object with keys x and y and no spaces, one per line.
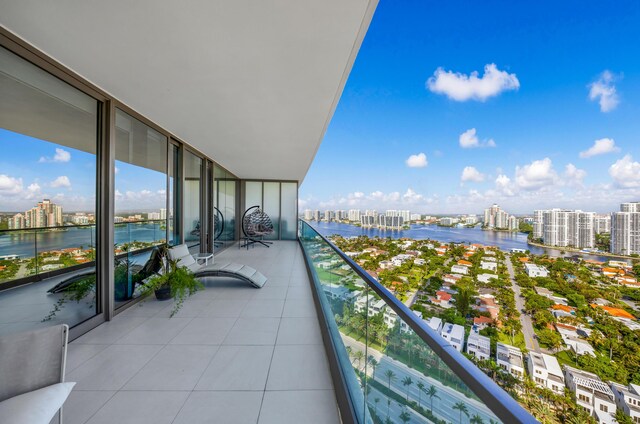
{"x":32,"y":367}
{"x":243,"y":272}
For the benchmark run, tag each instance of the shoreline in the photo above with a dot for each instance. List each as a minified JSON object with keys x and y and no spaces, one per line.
{"x":574,"y":250}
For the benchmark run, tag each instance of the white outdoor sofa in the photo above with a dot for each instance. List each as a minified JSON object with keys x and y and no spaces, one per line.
{"x":242,"y":272}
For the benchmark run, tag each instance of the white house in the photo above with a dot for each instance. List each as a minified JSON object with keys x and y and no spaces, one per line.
{"x":451,"y":278}
{"x":510,"y":359}
{"x":627,"y":399}
{"x":591,"y":394}
{"x":546,"y":372}
{"x":479,"y":346}
{"x":489,"y":266}
{"x":435,"y":323}
{"x":454,"y":334}
{"x":340,"y":292}
{"x":390,"y":318}
{"x":375,"y":306}
{"x":485,"y":278}
{"x":459,"y":269}
{"x":534,"y":270}
{"x":419,"y":261}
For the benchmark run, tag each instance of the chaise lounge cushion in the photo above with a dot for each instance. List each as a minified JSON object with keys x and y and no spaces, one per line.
{"x":184,"y":258}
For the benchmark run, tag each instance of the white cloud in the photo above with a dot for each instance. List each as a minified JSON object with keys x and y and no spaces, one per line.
{"x":417,"y":161}
{"x":10,"y":185}
{"x":61,"y":181}
{"x":574,"y":175}
{"x":600,"y":147}
{"x":60,"y":156}
{"x":470,"y":173}
{"x":625,"y":172}
{"x":504,"y":185}
{"x":536,"y":175}
{"x":462,"y":87}
{"x":605,"y":92}
{"x":469,"y":140}
{"x":379,"y":200}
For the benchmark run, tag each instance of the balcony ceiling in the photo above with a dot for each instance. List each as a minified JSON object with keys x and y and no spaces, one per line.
{"x":251,"y":83}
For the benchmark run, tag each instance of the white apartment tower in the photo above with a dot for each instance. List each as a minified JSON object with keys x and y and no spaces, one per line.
{"x":308,"y":215}
{"x":565,"y":228}
{"x":602,"y":224}
{"x":625,"y":229}
{"x":538,"y":216}
{"x":354,"y":215}
{"x":495,"y":217}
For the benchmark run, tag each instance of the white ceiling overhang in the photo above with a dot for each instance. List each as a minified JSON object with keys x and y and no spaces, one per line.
{"x":251,"y":83}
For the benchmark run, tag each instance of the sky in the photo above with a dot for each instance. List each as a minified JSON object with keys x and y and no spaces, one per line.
{"x":453,"y":106}
{"x":32,"y":169}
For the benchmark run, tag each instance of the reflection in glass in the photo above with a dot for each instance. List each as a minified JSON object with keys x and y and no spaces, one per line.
{"x":192,"y":181}
{"x":48,"y":139}
{"x":392,"y":375}
{"x":140,"y":202}
{"x":224,"y":208}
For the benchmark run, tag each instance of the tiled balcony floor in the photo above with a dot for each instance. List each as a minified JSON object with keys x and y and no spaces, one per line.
{"x":233,"y":354}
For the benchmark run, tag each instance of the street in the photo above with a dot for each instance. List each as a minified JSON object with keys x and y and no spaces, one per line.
{"x":527,"y":327}
{"x":442,"y":406}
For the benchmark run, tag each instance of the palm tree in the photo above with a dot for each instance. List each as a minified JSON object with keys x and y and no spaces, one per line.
{"x":377,"y":401}
{"x":407,"y":382}
{"x":476,"y":419}
{"x":432,"y":392}
{"x":421,"y":386}
{"x":390,"y":377}
{"x":462,"y":407}
{"x":372,"y":361}
{"x":405,"y":417}
{"x":358,"y":356}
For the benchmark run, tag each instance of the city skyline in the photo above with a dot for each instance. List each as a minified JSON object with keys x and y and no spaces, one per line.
{"x":445,"y":121}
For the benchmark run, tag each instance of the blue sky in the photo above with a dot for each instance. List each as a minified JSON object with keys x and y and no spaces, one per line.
{"x":554,"y":80}
{"x":33,"y":169}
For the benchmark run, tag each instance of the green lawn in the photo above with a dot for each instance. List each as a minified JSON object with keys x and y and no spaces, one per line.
{"x":518,"y":340}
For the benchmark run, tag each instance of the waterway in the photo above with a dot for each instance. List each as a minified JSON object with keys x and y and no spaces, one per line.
{"x":23,"y":243}
{"x":501,"y":239}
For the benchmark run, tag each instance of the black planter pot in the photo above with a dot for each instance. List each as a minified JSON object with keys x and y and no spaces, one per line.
{"x":163,"y":293}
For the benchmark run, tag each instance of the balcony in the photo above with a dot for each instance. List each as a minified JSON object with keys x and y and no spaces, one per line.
{"x":232,"y":352}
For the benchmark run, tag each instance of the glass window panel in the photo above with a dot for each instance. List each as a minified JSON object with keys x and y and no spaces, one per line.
{"x":271,"y":206}
{"x":140,"y":202}
{"x":192,"y":181}
{"x":48,"y":140}
{"x":253,"y":194}
{"x":174,"y":194}
{"x":288,"y":211}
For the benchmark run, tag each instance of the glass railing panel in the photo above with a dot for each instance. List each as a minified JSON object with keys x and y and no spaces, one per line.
{"x":136,"y":256}
{"x":336,"y":289}
{"x":47,"y":276}
{"x":393,"y":374}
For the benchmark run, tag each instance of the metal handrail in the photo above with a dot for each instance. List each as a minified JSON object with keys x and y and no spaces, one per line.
{"x":494,"y":397}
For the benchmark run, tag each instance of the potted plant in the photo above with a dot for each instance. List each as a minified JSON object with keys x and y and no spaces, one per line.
{"x":173,"y":281}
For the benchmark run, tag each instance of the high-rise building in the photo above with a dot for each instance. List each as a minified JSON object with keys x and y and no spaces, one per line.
{"x":163,"y":213}
{"x":538,"y":216}
{"x":16,"y":222}
{"x":496,"y":218}
{"x":625,"y":229}
{"x":308,"y":214}
{"x":386,"y":222}
{"x":328,"y":216}
{"x":565,"y":228}
{"x":153,"y":216}
{"x":316,"y":215}
{"x":354,"y":215}
{"x":44,"y":214}
{"x":602,"y":224}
